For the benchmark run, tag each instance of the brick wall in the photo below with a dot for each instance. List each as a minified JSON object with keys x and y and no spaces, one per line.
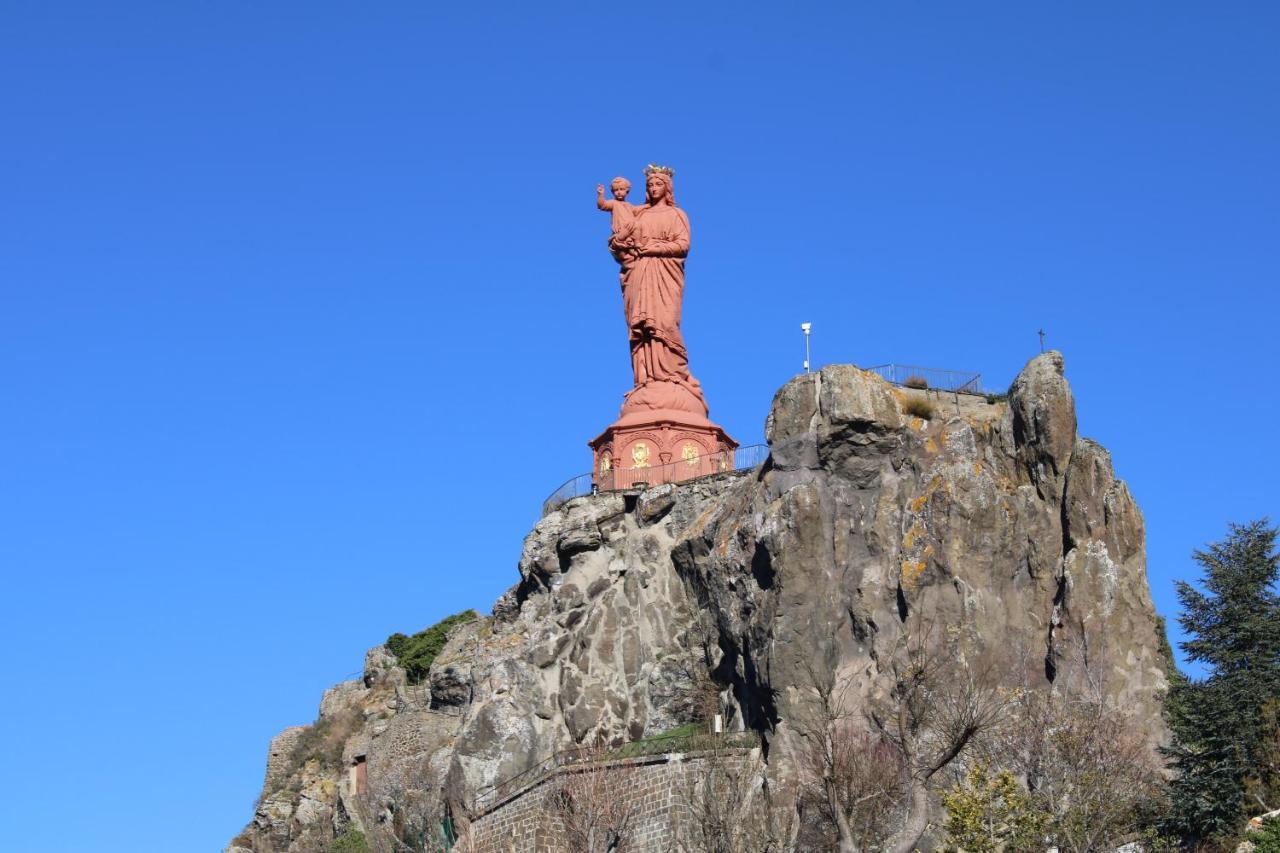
{"x":657,"y":788}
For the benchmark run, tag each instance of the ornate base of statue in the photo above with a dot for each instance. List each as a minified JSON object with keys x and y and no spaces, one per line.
{"x":648,"y":447}
{"x":663,"y":434}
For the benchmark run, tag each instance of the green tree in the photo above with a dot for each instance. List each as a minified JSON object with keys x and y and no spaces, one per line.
{"x":1220,"y":723}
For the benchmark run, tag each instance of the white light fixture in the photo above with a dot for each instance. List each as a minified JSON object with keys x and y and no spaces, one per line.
{"x":806,"y":327}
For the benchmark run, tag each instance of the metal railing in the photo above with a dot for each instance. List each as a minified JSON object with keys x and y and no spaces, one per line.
{"x":959,"y":381}
{"x":582,"y":756}
{"x":682,"y":471}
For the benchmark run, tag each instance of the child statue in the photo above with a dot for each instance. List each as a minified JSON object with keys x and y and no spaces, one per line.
{"x":624,"y":218}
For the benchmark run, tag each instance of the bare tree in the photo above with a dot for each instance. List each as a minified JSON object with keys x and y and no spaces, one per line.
{"x":935,"y":711}
{"x":1087,"y":765}
{"x":853,"y":775}
{"x":732,"y":806}
{"x":594,"y":810}
{"x":870,"y":778}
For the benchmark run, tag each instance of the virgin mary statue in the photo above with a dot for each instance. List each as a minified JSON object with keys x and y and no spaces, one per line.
{"x":652,"y":260}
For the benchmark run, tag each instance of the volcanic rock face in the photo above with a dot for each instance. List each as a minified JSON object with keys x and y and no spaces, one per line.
{"x":998,"y":529}
{"x":990,"y":529}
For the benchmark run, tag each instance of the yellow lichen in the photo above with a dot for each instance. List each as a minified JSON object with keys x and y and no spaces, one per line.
{"x":911,"y":571}
{"x":930,"y":446}
{"x":916,"y":531}
{"x":977,"y":469}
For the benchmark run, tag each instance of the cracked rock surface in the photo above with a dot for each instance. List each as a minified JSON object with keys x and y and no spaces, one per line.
{"x":995,"y":523}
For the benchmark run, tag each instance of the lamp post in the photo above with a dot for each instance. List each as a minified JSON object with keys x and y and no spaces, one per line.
{"x":806,"y":327}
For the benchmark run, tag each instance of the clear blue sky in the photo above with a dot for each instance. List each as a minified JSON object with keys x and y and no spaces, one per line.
{"x":304,"y":308}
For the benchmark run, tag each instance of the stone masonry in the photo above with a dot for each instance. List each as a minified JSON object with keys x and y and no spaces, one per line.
{"x":659,"y":788}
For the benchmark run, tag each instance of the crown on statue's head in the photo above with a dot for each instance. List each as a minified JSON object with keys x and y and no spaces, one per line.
{"x":651,"y":169}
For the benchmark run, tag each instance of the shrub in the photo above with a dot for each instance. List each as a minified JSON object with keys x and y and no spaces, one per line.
{"x":324,"y":739}
{"x":920,"y":407}
{"x":415,"y":654}
{"x":989,"y":812}
{"x":351,"y":841}
{"x":1266,"y":840}
{"x":918,"y":382}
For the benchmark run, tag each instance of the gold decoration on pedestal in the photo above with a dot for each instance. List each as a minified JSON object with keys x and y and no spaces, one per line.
{"x":690,"y":454}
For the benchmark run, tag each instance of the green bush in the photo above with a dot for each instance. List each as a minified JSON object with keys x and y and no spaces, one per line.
{"x":415,"y":654}
{"x":990,"y":812}
{"x":1268,"y":839}
{"x":351,"y":841}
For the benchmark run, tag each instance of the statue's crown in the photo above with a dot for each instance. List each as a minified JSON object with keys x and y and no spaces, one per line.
{"x":651,"y":169}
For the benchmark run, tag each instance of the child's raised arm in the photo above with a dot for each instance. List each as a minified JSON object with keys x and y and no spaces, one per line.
{"x":602,"y":202}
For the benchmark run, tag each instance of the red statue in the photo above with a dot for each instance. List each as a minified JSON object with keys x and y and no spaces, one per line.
{"x":665,"y":407}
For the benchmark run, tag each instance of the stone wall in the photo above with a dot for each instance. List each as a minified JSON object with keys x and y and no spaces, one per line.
{"x":278,"y":754}
{"x":658,"y":787}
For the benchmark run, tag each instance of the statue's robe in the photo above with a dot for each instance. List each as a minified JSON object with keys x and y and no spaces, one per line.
{"x":652,"y":292}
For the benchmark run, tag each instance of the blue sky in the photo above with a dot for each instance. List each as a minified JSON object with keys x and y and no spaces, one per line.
{"x":304,"y":308}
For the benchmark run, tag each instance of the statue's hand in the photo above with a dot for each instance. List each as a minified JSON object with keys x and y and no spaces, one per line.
{"x":599,"y":189}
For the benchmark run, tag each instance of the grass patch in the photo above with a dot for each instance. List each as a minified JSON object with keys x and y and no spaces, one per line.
{"x":687,"y":738}
{"x":917,"y":382}
{"x":415,"y":654}
{"x":920,"y":407}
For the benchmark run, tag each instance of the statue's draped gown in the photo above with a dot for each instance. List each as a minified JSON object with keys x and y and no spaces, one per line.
{"x":652,"y":290}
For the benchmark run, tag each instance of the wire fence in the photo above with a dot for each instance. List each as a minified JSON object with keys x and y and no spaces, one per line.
{"x":684,"y":470}
{"x":913,"y":376}
{"x":581,"y":756}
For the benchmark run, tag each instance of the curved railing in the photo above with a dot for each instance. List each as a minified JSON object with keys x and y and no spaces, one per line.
{"x":495,"y":795}
{"x":682,"y":471}
{"x":932,"y":378}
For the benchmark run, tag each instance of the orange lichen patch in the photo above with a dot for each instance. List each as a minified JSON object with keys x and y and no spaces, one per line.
{"x":977,"y":469}
{"x":911,"y":571}
{"x":931,"y":446}
{"x":915,"y":532}
{"x":917,"y":503}
{"x":917,"y":424}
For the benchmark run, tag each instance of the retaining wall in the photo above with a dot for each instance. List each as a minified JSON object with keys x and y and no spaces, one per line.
{"x":657,"y":786}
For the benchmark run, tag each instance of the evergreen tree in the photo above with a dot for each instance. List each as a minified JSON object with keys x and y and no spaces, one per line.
{"x":1221,"y":723}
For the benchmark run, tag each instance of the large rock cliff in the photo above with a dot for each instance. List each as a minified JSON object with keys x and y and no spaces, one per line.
{"x":992,"y":524}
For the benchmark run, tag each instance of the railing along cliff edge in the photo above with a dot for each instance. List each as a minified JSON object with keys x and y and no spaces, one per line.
{"x":623,"y":479}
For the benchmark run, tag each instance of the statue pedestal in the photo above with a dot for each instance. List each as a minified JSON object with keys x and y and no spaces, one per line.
{"x":651,"y":446}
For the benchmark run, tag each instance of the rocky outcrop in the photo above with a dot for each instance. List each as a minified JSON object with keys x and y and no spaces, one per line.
{"x":990,"y":529}
{"x":995,"y":526}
